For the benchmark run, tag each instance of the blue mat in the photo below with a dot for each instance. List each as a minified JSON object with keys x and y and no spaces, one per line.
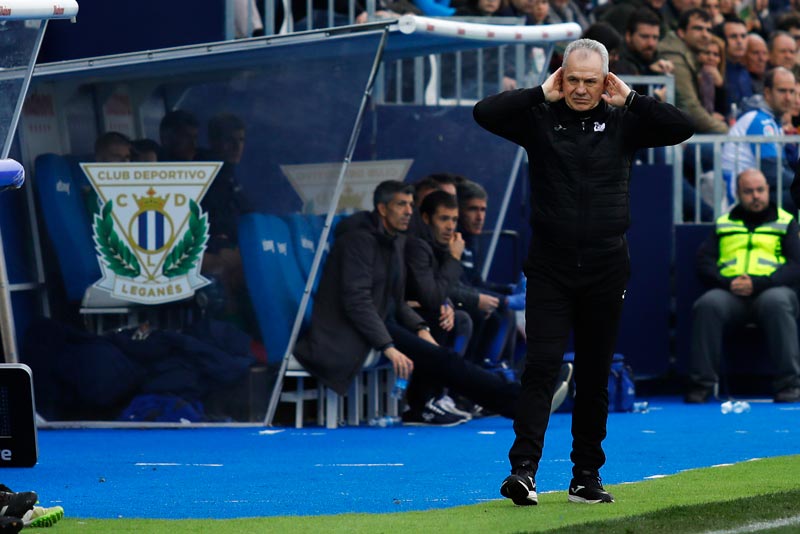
{"x":225,"y":473}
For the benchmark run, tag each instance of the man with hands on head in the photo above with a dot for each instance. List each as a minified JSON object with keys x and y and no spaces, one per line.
{"x":580,"y":128}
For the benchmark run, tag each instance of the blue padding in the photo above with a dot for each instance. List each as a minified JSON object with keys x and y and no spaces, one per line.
{"x":306,"y":230}
{"x":273,"y":277}
{"x":67,"y":224}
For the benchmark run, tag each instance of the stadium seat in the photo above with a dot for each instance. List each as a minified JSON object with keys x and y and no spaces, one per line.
{"x":276,"y":280}
{"x":67,"y":223}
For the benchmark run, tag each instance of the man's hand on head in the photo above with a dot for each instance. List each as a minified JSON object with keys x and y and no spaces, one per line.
{"x":616,"y":91}
{"x":553,"y":86}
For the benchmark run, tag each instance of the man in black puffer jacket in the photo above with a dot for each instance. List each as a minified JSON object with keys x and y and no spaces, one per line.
{"x":581,"y":128}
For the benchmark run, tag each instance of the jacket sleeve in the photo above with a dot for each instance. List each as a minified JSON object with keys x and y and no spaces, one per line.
{"x":654,"y":123}
{"x":688,"y":99}
{"x":428,"y":284}
{"x":356,"y":283}
{"x":505,"y":114}
{"x":464,"y":296}
{"x":707,"y":269}
{"x":787,"y":274}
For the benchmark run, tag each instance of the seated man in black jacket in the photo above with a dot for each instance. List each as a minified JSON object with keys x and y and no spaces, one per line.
{"x":433,"y":262}
{"x":360,"y":305}
{"x":752,"y":265}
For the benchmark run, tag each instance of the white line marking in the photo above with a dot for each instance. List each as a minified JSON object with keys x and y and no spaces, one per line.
{"x":487,"y":432}
{"x":168,"y":464}
{"x":359,"y":465}
{"x":269,"y":432}
{"x":759,"y":526}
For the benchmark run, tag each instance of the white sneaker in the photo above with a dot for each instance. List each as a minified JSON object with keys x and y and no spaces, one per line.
{"x":446,"y":403}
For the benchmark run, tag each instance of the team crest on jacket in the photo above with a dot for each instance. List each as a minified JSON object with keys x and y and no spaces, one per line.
{"x":149,"y":231}
{"x":599,"y":126}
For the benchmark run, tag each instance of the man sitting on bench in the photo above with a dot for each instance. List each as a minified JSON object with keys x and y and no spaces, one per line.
{"x":752,"y":262}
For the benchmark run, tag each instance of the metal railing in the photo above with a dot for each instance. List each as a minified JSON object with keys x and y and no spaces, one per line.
{"x":713,"y":179}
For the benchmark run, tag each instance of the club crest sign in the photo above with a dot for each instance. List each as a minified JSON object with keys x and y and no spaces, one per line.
{"x":149,"y":232}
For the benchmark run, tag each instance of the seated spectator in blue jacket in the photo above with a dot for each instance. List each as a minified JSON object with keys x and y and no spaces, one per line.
{"x":752,"y":264}
{"x":360,"y":305}
{"x":779,"y":98}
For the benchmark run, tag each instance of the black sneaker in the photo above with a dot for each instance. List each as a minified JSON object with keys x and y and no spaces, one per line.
{"x":16,"y":504}
{"x":790,"y":394}
{"x":697,"y":395}
{"x":588,"y":489}
{"x":520,"y":486}
{"x":431,"y":415}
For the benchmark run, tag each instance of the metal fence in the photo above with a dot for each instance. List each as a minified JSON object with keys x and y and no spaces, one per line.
{"x":701,"y":157}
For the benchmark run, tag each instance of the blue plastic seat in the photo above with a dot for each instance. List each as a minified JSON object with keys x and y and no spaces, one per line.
{"x":273,"y":277}
{"x":67,"y":223}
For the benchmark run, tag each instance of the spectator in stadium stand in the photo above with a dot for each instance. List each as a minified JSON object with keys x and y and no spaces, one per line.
{"x":536,"y":12}
{"x":639,"y":54}
{"x":568,"y":11}
{"x":145,"y":150}
{"x":779,"y":98}
{"x":755,"y":61}
{"x":751,"y":262}
{"x":737,"y":80}
{"x":711,"y":83}
{"x":712,"y":7}
{"x":478,"y":8}
{"x":673,"y":9}
{"x":681,"y":48}
{"x":789,"y":22}
{"x":360,"y":306}
{"x":618,"y":14}
{"x":783,"y":52}
{"x":178,"y":135}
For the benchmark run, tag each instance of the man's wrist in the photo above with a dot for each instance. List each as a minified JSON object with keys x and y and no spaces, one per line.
{"x":423,"y":327}
{"x":629,"y":98}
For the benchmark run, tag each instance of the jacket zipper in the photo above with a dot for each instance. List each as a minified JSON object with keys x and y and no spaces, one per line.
{"x":749,"y":248}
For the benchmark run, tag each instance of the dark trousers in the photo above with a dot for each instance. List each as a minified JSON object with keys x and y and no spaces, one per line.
{"x":432,"y":362}
{"x":775,"y":310}
{"x":586,"y":300}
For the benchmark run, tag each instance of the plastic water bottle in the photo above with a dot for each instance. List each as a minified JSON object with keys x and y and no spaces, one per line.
{"x":385,"y":421}
{"x":741,"y":407}
{"x":735,"y":407}
{"x":400,"y":386}
{"x":641,"y":407}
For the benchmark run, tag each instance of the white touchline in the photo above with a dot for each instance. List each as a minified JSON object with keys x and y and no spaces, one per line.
{"x":759,"y":526}
{"x":358,"y":465}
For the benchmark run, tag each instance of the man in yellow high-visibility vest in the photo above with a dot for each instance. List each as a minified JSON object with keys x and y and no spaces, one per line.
{"x":752,"y":262}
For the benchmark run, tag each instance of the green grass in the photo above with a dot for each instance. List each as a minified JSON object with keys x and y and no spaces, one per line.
{"x":693,"y":501}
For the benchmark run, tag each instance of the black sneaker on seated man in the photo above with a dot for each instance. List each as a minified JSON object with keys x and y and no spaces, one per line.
{"x":697,"y":394}
{"x":790,"y":394}
{"x":520,"y":486}
{"x":587,"y":488}
{"x":431,"y":415}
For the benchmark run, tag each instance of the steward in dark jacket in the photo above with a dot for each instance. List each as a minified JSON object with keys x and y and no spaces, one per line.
{"x":580,"y":128}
